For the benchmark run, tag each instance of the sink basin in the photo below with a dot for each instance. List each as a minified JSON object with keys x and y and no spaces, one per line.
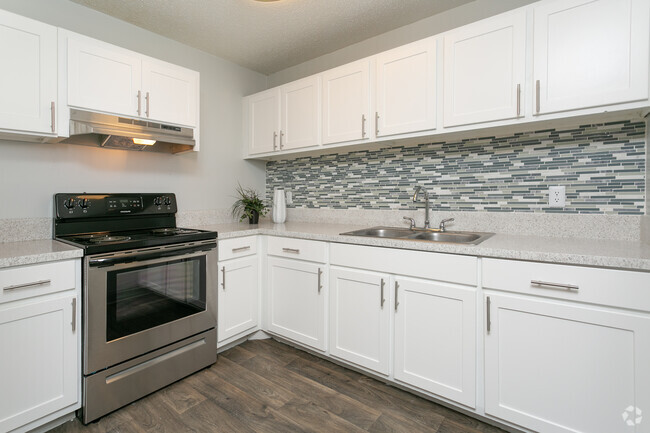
{"x":426,"y":235}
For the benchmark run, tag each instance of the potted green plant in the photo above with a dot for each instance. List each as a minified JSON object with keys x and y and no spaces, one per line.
{"x":248,"y":205}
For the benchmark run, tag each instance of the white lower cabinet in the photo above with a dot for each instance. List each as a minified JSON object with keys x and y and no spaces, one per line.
{"x":359,"y":318}
{"x":560,"y":367}
{"x":435,"y":338}
{"x":40,"y":365}
{"x":238,"y":297}
{"x":296,"y":299}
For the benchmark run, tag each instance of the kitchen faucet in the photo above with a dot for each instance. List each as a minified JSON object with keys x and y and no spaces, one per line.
{"x":418,"y":188}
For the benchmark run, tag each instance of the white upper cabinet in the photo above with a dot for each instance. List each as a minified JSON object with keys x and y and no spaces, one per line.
{"x":110,"y":79}
{"x":103,"y":77}
{"x":300,"y":114}
{"x":28,"y":76}
{"x":263,"y":121}
{"x":170,"y":92}
{"x":590,"y":53}
{"x":346,"y":103}
{"x":485,"y":70}
{"x":406,"y":89}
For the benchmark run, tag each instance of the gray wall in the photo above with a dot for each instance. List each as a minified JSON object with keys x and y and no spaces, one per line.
{"x":30,"y":173}
{"x":448,"y":20}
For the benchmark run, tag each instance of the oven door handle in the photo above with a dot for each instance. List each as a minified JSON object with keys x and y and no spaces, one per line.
{"x":150,"y":255}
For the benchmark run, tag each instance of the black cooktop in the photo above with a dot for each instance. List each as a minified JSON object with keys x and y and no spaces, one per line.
{"x":101,"y":223}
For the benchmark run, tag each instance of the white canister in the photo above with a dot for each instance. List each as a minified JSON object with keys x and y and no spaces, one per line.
{"x":279,"y":206}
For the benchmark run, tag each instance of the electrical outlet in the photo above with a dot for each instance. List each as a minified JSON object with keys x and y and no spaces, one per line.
{"x":289,"y":197}
{"x":556,"y":196}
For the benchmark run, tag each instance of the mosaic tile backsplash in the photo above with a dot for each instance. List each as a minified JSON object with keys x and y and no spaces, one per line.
{"x":602,"y":167}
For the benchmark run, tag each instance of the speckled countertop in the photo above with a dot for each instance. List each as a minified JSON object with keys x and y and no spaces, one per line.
{"x":586,"y":252}
{"x":29,"y":252}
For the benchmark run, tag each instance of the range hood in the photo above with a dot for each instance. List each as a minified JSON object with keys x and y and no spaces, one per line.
{"x":115,"y":132}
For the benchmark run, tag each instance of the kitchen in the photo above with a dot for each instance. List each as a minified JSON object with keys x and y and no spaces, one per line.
{"x":491,"y":175}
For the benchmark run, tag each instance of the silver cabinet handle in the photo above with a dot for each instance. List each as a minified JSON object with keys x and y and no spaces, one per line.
{"x":320,"y":286}
{"x":537,"y":93}
{"x":53,"y":115}
{"x":223,"y":279}
{"x":554,"y":285}
{"x":396,"y":300}
{"x":275,"y":136}
{"x":281,"y":135}
{"x":240,"y":249}
{"x":382,"y":300}
{"x":139,"y":102}
{"x":291,"y":250}
{"x":377,"y":123}
{"x":489,"y":321}
{"x":518,"y":100}
{"x":148,"y":98}
{"x":363,"y":126}
{"x":74,"y":314}
{"x":27,"y":285}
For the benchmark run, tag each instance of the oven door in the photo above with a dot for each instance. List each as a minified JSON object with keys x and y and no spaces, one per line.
{"x":139,"y":301}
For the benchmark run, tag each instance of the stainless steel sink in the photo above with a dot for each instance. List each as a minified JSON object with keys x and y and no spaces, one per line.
{"x":427,"y":235}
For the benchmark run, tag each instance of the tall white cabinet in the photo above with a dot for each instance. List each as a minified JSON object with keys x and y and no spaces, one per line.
{"x":406,"y":89}
{"x":28,"y":76}
{"x":359,"y":319}
{"x":485,"y":70}
{"x":346,"y":103}
{"x":589,"y":53}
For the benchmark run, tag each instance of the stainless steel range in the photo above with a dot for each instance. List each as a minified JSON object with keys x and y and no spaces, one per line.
{"x":149,"y":303}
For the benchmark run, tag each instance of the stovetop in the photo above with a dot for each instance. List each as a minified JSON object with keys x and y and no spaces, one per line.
{"x":101,"y":223}
{"x":104,"y":242}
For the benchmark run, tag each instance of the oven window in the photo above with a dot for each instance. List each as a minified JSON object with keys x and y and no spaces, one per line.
{"x":147,"y":296}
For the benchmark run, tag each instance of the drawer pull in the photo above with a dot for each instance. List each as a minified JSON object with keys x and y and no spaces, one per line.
{"x":291,"y":250}
{"x":553,"y":285}
{"x":26,"y":285}
{"x":240,"y":249}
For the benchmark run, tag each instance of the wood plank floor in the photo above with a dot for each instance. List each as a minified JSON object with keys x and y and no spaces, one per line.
{"x":267,"y":386}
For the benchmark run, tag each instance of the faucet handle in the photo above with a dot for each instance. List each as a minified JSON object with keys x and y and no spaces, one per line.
{"x":412,"y":222}
{"x":443,"y":222}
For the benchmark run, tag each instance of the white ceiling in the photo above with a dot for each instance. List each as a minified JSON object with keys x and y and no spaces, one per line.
{"x":269,"y":37}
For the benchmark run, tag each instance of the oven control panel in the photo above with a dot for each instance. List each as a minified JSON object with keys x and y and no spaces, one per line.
{"x":104,"y":205}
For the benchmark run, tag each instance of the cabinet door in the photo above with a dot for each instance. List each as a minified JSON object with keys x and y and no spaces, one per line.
{"x":557,"y":367}
{"x":346,"y":103}
{"x":238,"y":302}
{"x":484,"y":70}
{"x":589,"y":53}
{"x":103,"y":77}
{"x":300,"y":114}
{"x":360,"y":318}
{"x":435,"y":338}
{"x":406,"y":89}
{"x":39,"y":366}
{"x":297,"y":301}
{"x":28,"y":74}
{"x":263,"y":121}
{"x":170,"y":93}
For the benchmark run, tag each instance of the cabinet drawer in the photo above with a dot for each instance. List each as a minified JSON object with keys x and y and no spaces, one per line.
{"x":626,"y":289}
{"x":312,"y":251}
{"x":237,"y":247}
{"x":431,"y":266}
{"x":35,"y":280}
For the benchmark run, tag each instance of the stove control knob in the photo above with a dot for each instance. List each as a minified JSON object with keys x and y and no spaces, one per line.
{"x":70,"y":203}
{"x":168,"y":201}
{"x":84,"y":203}
{"x":157,"y":201}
